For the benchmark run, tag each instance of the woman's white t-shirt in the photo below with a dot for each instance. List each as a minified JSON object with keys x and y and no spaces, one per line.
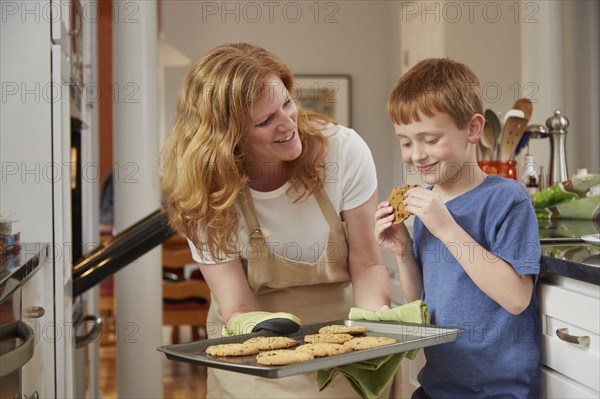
{"x":298,"y":231}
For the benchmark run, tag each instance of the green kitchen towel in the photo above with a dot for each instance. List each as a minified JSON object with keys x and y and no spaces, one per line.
{"x":414,"y":312}
{"x":370,"y":378}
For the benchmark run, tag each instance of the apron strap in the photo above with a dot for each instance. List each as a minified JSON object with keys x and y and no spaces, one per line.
{"x":327,"y":208}
{"x":249,"y":213}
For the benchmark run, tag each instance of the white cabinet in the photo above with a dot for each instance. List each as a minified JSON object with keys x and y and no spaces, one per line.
{"x":36,"y":295}
{"x":410,"y":371}
{"x":570,"y":321}
{"x":35,"y":155}
{"x":25,"y":121}
{"x":62,"y":222}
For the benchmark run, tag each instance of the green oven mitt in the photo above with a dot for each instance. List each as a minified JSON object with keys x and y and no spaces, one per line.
{"x":249,"y":322}
{"x":415,"y":312}
{"x":371,"y":377}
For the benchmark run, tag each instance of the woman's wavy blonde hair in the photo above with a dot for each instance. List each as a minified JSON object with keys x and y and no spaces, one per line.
{"x":202,"y":164}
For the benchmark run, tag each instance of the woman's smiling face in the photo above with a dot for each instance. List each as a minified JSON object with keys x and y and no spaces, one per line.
{"x":273,"y":136}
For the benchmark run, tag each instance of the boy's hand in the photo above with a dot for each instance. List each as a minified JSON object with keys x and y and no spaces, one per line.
{"x":431,"y":209}
{"x":394,"y":237}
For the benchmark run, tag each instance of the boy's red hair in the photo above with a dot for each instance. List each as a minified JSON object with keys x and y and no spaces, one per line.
{"x":436,"y":85}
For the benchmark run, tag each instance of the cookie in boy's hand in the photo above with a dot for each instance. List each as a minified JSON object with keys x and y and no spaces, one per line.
{"x":396,"y":199}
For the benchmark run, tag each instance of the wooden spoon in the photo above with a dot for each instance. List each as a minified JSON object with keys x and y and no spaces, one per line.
{"x":525,"y":105}
{"x":487,"y":136}
{"x":483,"y":153}
{"x":494,"y":121}
{"x":513,"y":129}
{"x":492,"y":118}
{"x":486,"y":154}
{"x":478,"y":149}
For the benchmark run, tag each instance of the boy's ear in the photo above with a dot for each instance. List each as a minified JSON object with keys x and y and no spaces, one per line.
{"x":475,"y":126}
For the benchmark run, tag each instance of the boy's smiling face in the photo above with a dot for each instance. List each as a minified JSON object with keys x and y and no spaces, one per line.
{"x":438,"y":150}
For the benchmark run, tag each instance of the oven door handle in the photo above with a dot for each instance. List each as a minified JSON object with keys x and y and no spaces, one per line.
{"x":19,"y":356}
{"x":92,"y":334}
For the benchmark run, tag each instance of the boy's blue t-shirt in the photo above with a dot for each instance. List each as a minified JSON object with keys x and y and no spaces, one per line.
{"x":497,"y":354}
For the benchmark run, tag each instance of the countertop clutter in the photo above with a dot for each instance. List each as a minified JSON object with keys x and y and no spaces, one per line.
{"x":564,"y":253}
{"x":565,"y":260}
{"x":568,"y":217}
{"x":10,"y":245}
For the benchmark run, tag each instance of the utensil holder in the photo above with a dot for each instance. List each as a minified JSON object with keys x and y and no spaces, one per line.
{"x":505,"y":168}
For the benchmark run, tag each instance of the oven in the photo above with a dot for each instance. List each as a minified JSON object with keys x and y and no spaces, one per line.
{"x":27,"y":330}
{"x":16,"y":345}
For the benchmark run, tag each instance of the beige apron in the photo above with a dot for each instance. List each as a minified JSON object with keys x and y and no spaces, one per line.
{"x":314,"y":292}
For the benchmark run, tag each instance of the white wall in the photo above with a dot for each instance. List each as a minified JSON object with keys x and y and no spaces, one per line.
{"x":25,"y":125}
{"x":560,"y":55}
{"x":488,"y":40}
{"x":582,"y":82}
{"x":547,"y":51}
{"x":343,"y":37}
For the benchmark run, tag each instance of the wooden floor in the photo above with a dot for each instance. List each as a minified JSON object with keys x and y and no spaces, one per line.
{"x":180,"y":380}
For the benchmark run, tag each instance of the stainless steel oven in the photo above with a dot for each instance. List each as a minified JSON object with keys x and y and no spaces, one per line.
{"x":27,"y":330}
{"x":16,"y":345}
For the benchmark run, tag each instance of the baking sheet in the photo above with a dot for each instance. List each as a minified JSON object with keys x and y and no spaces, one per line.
{"x":409,"y":336}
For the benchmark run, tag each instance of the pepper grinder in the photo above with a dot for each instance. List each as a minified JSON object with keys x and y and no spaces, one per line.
{"x":557,"y":132}
{"x":538,"y":132}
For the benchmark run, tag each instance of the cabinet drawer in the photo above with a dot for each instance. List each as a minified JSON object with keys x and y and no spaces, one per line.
{"x":573,"y":307}
{"x":37,"y":308}
{"x":579,"y":315}
{"x":555,"y":385}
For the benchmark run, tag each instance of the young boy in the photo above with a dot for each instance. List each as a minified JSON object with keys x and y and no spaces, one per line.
{"x":475,"y":252}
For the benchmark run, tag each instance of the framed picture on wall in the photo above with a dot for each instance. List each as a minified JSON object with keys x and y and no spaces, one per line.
{"x":327,"y":94}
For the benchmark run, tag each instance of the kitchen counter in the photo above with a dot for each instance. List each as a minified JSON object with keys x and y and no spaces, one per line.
{"x":565,"y":254}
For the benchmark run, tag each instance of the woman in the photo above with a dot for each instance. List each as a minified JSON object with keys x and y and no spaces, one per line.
{"x":277,"y":203}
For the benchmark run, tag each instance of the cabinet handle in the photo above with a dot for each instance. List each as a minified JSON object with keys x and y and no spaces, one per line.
{"x":82,"y":340}
{"x":34,"y":312}
{"x":18,"y":357}
{"x":563,"y":334}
